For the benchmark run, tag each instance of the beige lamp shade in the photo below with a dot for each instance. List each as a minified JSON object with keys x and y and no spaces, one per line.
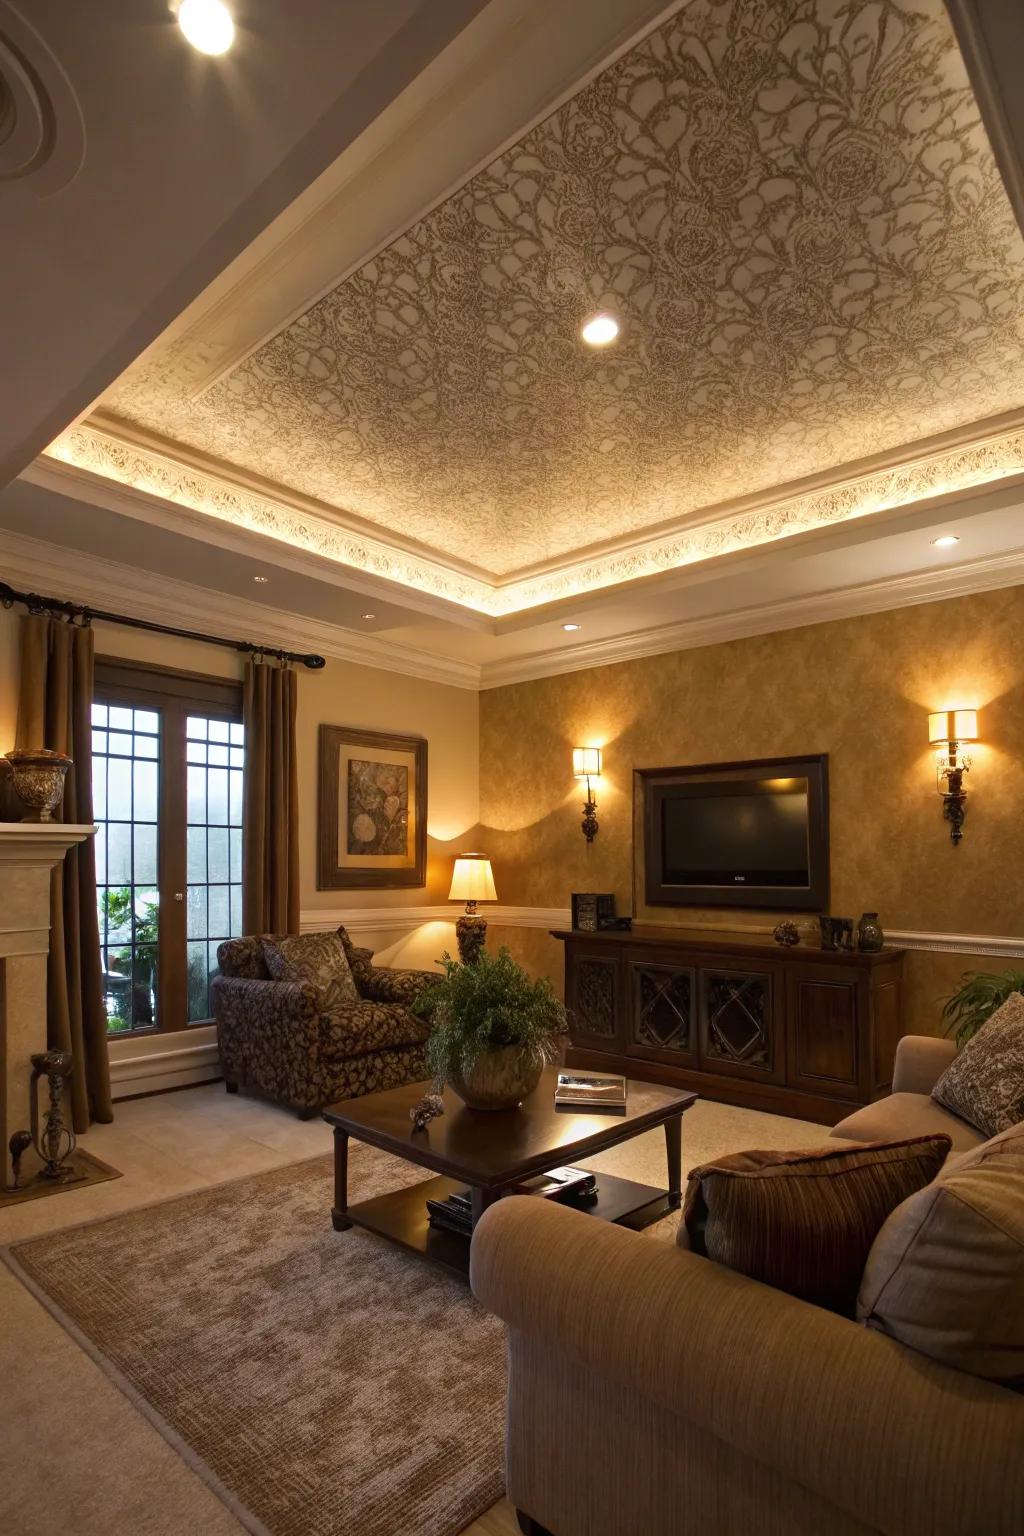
{"x":472,"y":879}
{"x":586,"y":762}
{"x":952,"y":725}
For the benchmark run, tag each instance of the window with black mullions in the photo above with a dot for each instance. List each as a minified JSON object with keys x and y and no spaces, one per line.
{"x":168,"y":766}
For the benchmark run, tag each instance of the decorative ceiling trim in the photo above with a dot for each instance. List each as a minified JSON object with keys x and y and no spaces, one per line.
{"x":890,"y":592}
{"x":33,"y":564}
{"x":945,"y":471}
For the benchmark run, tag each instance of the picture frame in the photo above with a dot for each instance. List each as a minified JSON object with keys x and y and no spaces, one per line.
{"x":371,"y":809}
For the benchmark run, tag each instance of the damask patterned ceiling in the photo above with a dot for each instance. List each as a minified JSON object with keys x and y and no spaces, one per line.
{"x":792,"y":207}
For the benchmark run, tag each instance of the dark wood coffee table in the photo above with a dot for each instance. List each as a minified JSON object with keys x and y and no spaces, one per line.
{"x":491,"y":1152}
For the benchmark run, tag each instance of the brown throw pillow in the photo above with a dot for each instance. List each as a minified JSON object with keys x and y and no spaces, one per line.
{"x":946,"y":1272}
{"x":317,"y":958}
{"x":984,"y":1084}
{"x":804,"y":1222}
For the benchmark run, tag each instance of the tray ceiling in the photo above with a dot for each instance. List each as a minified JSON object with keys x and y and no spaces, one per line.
{"x":794,"y":210}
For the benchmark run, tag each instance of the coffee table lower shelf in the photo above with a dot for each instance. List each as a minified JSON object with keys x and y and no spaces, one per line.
{"x":402,"y":1216}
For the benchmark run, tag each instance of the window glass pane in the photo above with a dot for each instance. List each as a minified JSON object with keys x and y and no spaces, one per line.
{"x":236,"y":911}
{"x":99,"y":741}
{"x":145,"y":791}
{"x":147,"y":720}
{"x":220,"y":730}
{"x":99,"y":714}
{"x":236,"y":798}
{"x":116,"y":913}
{"x":119,"y":788}
{"x":196,"y":796}
{"x":196,"y":727}
{"x":196,"y":912}
{"x":119,"y":853}
{"x":196,"y":863}
{"x":147,"y":746}
{"x":217,"y":842}
{"x":144,"y":987}
{"x":99,"y":788}
{"x":120,"y":719}
{"x":117,"y":988}
{"x":217,"y":788}
{"x":100,"y":846}
{"x":198,"y":1007}
{"x":237,"y":735}
{"x":237,"y":757}
{"x":145,"y":854}
{"x":218,"y":755}
{"x":120,"y":744}
{"x":236,"y":853}
{"x":147,"y":905}
{"x":220,"y":917}
{"x":195,"y":751}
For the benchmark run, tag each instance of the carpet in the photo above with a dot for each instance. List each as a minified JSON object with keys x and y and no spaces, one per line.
{"x":326,"y":1384}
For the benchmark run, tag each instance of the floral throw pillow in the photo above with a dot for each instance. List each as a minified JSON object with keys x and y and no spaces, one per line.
{"x":984,"y":1084}
{"x":317,"y":958}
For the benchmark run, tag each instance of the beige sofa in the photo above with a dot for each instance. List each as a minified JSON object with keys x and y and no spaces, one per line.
{"x":655,"y":1393}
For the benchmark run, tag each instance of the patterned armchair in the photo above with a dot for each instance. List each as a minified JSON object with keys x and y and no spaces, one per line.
{"x":275,"y":1041}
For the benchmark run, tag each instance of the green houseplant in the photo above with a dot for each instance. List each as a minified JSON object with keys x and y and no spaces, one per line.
{"x":492,"y":1029}
{"x":978,"y":998}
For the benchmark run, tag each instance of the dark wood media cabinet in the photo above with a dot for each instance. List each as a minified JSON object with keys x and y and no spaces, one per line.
{"x":801,"y":1031}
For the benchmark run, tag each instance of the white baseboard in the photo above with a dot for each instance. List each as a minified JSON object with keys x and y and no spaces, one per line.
{"x":152,"y":1063}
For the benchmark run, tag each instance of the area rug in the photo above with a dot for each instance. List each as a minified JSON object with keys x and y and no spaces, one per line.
{"x":324,"y":1383}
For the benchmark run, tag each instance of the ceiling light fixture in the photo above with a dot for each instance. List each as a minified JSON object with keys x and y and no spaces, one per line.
{"x":946,"y":541}
{"x":367,"y":615}
{"x":261,"y":581}
{"x":207,"y":25}
{"x":571,"y":629}
{"x":600,"y":330}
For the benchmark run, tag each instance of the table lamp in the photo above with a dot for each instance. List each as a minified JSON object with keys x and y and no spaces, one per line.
{"x":472,"y":881}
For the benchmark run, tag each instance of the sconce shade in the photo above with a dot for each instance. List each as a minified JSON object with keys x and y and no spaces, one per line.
{"x":586,"y":762}
{"x":952,"y":725}
{"x":472,"y":879}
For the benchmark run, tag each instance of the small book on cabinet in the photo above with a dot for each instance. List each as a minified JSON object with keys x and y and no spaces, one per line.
{"x":591,"y":1090}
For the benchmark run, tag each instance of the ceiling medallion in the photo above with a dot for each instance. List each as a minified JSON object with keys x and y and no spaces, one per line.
{"x":942,"y":472}
{"x":42,"y":135}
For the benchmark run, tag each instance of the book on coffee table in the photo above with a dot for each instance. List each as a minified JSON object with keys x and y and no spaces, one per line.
{"x":590,"y":1090}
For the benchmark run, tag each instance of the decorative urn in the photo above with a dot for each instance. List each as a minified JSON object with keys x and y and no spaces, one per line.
{"x":37,"y":777}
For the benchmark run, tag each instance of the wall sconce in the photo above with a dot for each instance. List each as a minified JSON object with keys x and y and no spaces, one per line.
{"x":950,"y":729}
{"x":586,"y":764}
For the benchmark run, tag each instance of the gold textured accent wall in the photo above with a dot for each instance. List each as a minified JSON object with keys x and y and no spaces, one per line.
{"x":859,"y":689}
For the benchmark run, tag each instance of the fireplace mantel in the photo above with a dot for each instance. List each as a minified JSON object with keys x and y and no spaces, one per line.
{"x":28,"y":852}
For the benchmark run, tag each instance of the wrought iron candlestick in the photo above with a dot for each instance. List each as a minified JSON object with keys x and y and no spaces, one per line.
{"x":54,"y":1141}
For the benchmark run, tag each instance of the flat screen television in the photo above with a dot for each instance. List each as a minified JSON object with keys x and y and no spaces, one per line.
{"x":738,"y":834}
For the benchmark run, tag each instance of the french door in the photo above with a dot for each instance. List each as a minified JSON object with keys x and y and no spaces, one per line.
{"x":168,"y":755}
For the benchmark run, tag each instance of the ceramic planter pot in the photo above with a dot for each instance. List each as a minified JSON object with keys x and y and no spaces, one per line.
{"x":37,"y":777}
{"x":498,"y":1079}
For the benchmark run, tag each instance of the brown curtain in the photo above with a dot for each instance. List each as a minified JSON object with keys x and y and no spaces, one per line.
{"x":270,"y":803}
{"x":55,"y":711}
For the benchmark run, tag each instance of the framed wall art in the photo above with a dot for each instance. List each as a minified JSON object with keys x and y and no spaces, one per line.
{"x":372,"y":810}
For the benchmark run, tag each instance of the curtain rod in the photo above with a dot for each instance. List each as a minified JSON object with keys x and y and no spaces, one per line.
{"x":79,"y":612}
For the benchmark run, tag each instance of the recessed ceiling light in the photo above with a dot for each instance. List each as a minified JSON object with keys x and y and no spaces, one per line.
{"x":207,"y":24}
{"x":600,"y":330}
{"x":367,"y":615}
{"x":946,"y":541}
{"x":570,"y":628}
{"x":261,"y":581}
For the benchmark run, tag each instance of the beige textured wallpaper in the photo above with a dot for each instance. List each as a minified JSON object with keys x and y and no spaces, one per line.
{"x":860,"y":690}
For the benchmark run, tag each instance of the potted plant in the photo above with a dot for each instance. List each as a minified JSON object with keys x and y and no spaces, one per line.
{"x":492,"y":1029}
{"x":979,"y":997}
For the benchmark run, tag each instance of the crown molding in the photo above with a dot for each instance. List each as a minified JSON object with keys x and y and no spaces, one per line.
{"x":991,"y":42}
{"x":90,"y":579}
{"x":158,"y":477}
{"x":933,"y":586}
